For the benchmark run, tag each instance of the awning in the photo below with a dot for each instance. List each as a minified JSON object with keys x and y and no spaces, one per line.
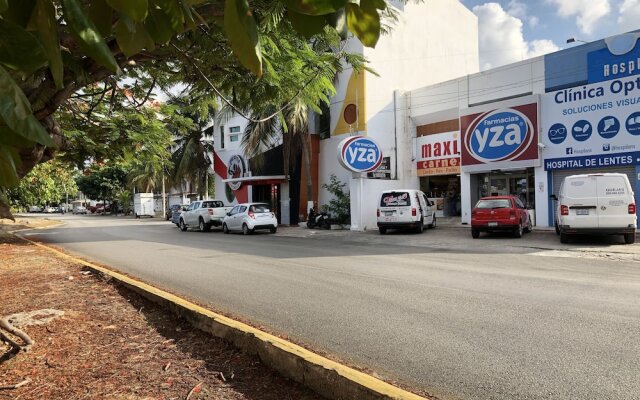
{"x":258,"y":180}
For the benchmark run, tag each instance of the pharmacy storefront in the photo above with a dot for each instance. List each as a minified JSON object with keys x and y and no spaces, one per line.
{"x":500,"y":150}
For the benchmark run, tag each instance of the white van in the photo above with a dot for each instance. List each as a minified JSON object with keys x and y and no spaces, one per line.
{"x":405,"y":209}
{"x":596,"y":204}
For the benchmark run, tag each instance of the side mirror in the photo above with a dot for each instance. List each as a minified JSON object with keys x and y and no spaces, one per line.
{"x":553,"y":197}
{"x":228,"y":214}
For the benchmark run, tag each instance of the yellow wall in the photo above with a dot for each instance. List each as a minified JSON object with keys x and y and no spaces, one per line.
{"x":355,"y":90}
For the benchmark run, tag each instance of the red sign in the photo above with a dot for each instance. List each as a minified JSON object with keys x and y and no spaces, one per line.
{"x":442,"y":166}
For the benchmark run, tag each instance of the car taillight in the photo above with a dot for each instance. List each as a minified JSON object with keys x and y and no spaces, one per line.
{"x":564,"y":210}
{"x":251,"y":215}
{"x":632,"y":208}
{"x":414,"y":212}
{"x":512,"y":214}
{"x":273,"y":215}
{"x":378,"y":210}
{"x":210,"y":211}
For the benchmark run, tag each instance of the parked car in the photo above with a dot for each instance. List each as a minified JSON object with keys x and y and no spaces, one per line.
{"x":102,"y":209}
{"x":49,"y":210}
{"x":171,"y":209}
{"x":500,"y":214}
{"x":596,"y":204}
{"x":249,"y":217}
{"x":175,"y":215}
{"x":34,"y":209}
{"x":80,"y":210}
{"x":203,"y":214}
{"x":405,"y":209}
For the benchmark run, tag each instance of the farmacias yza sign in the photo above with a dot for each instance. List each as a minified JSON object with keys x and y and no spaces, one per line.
{"x":359,"y":154}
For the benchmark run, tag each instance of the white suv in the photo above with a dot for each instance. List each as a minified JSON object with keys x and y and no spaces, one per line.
{"x":596,"y":204}
{"x":405,"y":209}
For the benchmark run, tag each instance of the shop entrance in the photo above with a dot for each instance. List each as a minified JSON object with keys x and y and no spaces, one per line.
{"x":444,"y":191}
{"x":269,"y":194}
{"x":504,"y":183}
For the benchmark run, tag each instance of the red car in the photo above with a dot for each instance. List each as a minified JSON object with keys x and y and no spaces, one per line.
{"x":500,"y":213}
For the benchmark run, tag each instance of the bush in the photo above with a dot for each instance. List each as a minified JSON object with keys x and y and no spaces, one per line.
{"x":340,"y":206}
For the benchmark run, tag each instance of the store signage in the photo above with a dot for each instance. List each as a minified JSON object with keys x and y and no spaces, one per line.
{"x":359,"y":154}
{"x":500,"y":137}
{"x":236,"y":169}
{"x":620,"y":59}
{"x":595,"y":125}
{"x":438,"y":154}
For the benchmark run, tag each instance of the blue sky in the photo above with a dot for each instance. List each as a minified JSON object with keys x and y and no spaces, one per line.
{"x":513,"y":30}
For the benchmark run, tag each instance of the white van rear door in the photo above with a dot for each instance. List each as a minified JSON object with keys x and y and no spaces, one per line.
{"x":613,"y":201}
{"x":395,"y":207}
{"x":581,"y":196}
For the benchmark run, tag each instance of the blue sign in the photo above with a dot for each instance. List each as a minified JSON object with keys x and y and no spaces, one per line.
{"x":581,"y":130}
{"x":499,"y":136}
{"x":621,"y":58}
{"x":359,"y":154}
{"x":595,"y":161}
{"x":633,"y":124}
{"x":608,"y":127}
{"x":557,"y":133}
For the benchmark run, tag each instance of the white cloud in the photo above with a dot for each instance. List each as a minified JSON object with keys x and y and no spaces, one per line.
{"x":501,"y":38}
{"x":629,"y":15}
{"x":533,"y":21}
{"x":587,"y":12}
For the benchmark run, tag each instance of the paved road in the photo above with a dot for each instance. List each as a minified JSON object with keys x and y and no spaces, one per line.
{"x":498,"y":318}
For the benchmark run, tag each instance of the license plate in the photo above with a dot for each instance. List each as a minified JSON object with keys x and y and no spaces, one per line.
{"x":388,"y":213}
{"x":582,"y":212}
{"x":492,"y":224}
{"x":390,"y":219}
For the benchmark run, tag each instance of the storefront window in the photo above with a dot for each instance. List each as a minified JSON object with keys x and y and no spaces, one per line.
{"x":503,"y":183}
{"x":444,"y":191}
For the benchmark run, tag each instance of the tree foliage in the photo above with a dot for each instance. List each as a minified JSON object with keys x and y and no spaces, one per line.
{"x":103,"y":182}
{"x":73,"y":55}
{"x":47,"y":183}
{"x":340,"y":205}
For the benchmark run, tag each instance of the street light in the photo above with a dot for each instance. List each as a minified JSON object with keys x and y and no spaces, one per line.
{"x":573,"y":40}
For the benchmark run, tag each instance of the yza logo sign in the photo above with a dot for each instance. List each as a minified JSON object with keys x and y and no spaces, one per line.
{"x":359,"y":154}
{"x":498,"y":136}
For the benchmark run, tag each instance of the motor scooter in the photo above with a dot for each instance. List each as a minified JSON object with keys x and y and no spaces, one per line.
{"x":320,"y":220}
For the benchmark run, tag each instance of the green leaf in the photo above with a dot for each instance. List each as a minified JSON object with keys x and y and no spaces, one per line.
{"x":378,"y":4}
{"x":174,"y":11}
{"x":102,"y":16}
{"x":10,"y":138}
{"x":9,"y":162}
{"x":134,"y":9}
{"x":3,"y":5}
{"x":241,"y":29}
{"x":364,"y":22}
{"x":132,"y":41}
{"x":87,"y":35}
{"x":307,"y":25}
{"x":315,"y":7}
{"x":339,"y":21}
{"x":188,"y":15}
{"x":19,"y":11}
{"x":16,"y":113}
{"x":158,"y":24}
{"x":44,"y":17}
{"x":19,"y":49}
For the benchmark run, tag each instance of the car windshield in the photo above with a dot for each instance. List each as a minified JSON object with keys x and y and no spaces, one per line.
{"x":260,"y":208}
{"x":494,"y":203}
{"x":395,"y":199}
{"x":212,"y":204}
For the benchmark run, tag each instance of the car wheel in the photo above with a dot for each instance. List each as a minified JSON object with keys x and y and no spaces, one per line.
{"x":557,"y":228}
{"x":183,"y":226}
{"x":420,"y":227}
{"x":204,"y":227}
{"x":529,"y":227}
{"x":246,"y":230}
{"x":382,"y":230}
{"x":519,"y":230}
{"x":433,"y":223}
{"x":225,"y":228}
{"x":629,"y":238}
{"x":564,"y":238}
{"x":475,"y":233}
{"x":273,"y":230}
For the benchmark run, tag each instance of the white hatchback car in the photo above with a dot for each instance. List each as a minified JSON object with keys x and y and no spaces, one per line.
{"x":248,"y":217}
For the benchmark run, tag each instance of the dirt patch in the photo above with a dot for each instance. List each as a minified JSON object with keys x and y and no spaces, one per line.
{"x":7,"y":225}
{"x":112,"y":344}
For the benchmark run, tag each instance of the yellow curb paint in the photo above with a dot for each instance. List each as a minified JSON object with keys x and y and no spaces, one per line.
{"x":351,"y":374}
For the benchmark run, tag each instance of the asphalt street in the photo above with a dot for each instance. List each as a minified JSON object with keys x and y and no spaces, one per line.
{"x":493,"y":318}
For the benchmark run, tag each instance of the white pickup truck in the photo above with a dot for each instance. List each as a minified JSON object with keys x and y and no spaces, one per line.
{"x":203,"y":214}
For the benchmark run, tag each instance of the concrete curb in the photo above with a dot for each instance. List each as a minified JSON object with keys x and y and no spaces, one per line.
{"x":326,"y":377}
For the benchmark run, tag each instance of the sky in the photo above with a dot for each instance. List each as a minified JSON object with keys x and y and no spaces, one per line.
{"x":514,"y":30}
